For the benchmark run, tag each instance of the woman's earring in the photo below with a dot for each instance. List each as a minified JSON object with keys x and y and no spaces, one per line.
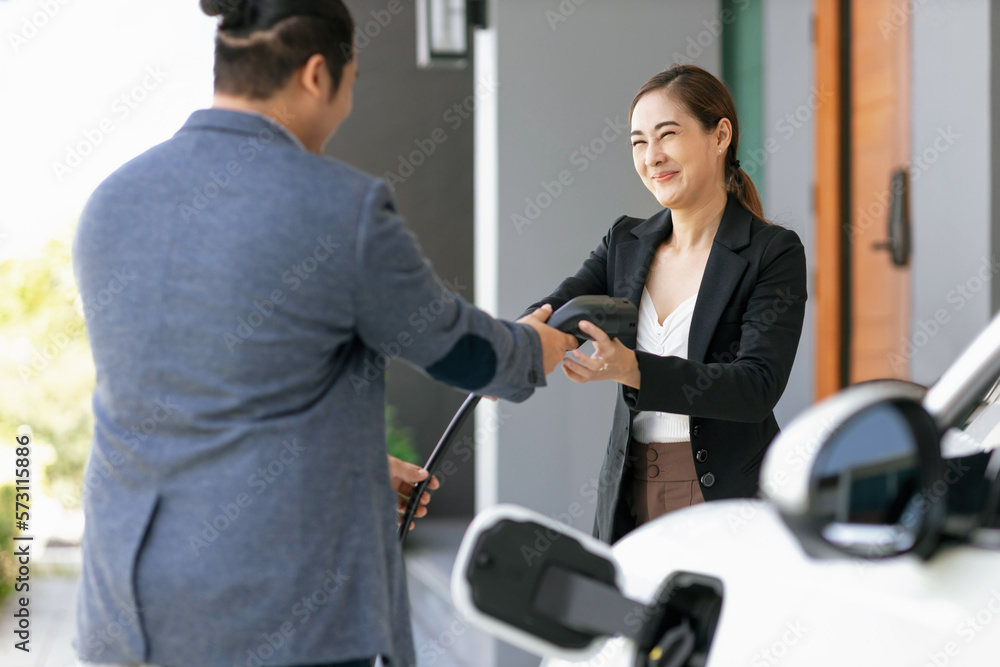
{"x":720,"y":150}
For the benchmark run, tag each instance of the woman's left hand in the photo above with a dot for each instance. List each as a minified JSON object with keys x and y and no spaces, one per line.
{"x":611,"y":360}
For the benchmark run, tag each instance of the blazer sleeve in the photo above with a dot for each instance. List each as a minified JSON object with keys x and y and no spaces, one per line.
{"x":746,"y":387}
{"x":591,"y":278}
{"x":403,"y":309}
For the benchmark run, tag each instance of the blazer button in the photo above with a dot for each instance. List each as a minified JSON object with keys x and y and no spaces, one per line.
{"x":701,"y":455}
{"x":708,"y":479}
{"x":532,"y":377}
{"x":695,"y":430}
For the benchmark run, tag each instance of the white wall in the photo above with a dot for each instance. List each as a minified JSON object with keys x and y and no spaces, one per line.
{"x":790,"y":105}
{"x":952,"y":174}
{"x":567,"y":72}
{"x":86,"y":87}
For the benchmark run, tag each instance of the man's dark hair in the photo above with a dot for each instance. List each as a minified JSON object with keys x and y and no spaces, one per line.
{"x":261,"y":43}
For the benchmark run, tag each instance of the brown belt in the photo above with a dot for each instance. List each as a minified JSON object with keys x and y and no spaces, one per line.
{"x":663,"y":461}
{"x":663,"y":479}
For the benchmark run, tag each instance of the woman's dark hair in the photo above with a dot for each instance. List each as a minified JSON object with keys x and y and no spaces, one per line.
{"x":261,"y":43}
{"x":709,"y":101}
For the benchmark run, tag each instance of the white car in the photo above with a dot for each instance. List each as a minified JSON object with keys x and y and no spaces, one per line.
{"x":877,"y":543}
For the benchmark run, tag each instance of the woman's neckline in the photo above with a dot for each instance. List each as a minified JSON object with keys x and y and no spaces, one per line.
{"x":656,"y":316}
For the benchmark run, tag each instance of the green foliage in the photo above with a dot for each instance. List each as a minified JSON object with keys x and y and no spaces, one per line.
{"x":46,"y":371}
{"x":398,"y":440}
{"x":7,"y":565}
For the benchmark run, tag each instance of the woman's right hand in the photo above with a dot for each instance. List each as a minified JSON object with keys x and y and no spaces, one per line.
{"x":611,"y":360}
{"x":555,"y":343}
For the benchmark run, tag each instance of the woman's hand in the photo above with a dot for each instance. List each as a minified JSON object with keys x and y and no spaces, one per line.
{"x":404,"y":477}
{"x":611,"y":360}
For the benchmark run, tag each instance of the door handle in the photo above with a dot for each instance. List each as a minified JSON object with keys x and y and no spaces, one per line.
{"x":898,"y":244}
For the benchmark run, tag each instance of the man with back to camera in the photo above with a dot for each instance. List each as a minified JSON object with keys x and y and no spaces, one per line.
{"x":239,"y":505}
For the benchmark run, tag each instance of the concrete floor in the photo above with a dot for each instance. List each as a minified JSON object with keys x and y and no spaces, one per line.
{"x":52,"y":607}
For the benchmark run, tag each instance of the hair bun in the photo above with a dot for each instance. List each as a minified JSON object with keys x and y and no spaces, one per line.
{"x":222,"y":7}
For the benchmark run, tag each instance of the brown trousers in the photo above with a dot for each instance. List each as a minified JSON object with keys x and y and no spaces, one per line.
{"x":663,"y":479}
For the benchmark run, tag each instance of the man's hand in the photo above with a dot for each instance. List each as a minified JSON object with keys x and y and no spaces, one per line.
{"x":555,"y":343}
{"x":404,"y":478}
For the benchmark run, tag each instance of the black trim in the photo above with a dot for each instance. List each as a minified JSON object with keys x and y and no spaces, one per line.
{"x":844,"y":33}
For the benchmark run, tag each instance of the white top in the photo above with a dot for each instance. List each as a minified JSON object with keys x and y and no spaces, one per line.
{"x":667,"y":340}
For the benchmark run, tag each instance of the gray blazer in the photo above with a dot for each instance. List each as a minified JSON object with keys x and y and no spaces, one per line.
{"x":243,"y":298}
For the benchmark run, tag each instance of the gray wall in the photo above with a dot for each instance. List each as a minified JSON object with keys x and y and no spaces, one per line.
{"x":790,"y":104}
{"x":396,"y":105}
{"x":547,"y":111}
{"x":560,"y":85}
{"x":954,"y":232}
{"x":995,"y":151}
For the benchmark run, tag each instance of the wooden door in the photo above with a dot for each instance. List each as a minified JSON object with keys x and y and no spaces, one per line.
{"x":863,"y":135}
{"x":880,"y":144}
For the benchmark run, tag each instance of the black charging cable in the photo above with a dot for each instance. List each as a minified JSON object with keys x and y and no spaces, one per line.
{"x":616,"y":316}
{"x":434,"y":462}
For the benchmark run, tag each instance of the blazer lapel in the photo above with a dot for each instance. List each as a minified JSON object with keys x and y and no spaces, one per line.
{"x":723,"y":272}
{"x":633,"y":258}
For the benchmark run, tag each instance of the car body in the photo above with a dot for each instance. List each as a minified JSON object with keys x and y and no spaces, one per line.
{"x":821,"y":571}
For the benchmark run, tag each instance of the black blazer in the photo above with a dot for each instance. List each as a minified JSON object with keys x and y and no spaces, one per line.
{"x":744,"y":333}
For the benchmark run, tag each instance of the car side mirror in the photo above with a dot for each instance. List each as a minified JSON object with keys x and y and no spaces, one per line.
{"x":861,"y":474}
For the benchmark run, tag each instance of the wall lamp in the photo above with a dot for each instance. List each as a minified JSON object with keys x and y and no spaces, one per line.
{"x":443,"y":31}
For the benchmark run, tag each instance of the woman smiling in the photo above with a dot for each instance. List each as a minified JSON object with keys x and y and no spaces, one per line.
{"x":721,"y":294}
